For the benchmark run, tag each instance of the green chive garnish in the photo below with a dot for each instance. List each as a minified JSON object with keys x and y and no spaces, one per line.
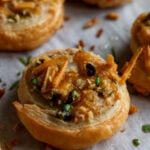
{"x":73,"y":95}
{"x":34,"y":81}
{"x":18,"y":73}
{"x":111,"y":93}
{"x":67,"y":107}
{"x":146,"y":128}
{"x":136,"y":142}
{"x":113,"y":52}
{"x":29,"y":59}
{"x":26,"y":61}
{"x":23,"y":61}
{"x":14,"y":85}
{"x":98,"y":81}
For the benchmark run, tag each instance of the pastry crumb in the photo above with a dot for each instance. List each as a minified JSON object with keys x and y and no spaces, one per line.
{"x":133,"y":109}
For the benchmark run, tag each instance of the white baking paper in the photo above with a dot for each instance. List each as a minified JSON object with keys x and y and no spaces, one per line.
{"x":117,"y":35}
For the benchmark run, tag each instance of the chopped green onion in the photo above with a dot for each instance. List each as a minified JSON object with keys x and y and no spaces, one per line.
{"x":146,"y":128}
{"x":14,"y":85}
{"x":136,"y":142}
{"x":98,"y":81}
{"x":26,"y":61}
{"x":23,"y":61}
{"x":18,"y":73}
{"x":73,"y":95}
{"x":29,"y":59}
{"x":34,"y":81}
{"x":67,"y":107}
{"x":113,"y":52}
{"x":111,"y":93}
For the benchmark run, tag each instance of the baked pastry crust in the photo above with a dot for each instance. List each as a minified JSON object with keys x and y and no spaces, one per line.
{"x":25,"y":25}
{"x":140,"y":75}
{"x":140,"y":32}
{"x":94,"y":118}
{"x":107,"y":3}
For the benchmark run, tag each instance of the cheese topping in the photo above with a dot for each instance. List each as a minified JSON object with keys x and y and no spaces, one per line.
{"x":79,"y":86}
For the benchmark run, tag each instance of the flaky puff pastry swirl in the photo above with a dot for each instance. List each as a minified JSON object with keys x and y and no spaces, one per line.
{"x":140,"y":38}
{"x":72,"y":99}
{"x":26,"y":24}
{"x":107,"y":3}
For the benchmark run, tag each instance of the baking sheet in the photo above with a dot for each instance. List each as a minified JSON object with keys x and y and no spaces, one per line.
{"x":116,"y":34}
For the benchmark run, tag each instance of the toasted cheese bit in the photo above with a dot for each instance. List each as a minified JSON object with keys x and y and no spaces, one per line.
{"x":130,"y":66}
{"x":59,"y":76}
{"x":51,"y":62}
{"x":24,"y":5}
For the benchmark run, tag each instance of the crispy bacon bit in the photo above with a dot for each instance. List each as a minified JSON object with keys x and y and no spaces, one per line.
{"x":2,"y":92}
{"x":81,"y":44}
{"x":67,"y":18}
{"x":112,"y":16}
{"x":14,"y":142}
{"x":94,"y":21}
{"x":92,"y":47}
{"x":133,"y":109}
{"x":99,"y":32}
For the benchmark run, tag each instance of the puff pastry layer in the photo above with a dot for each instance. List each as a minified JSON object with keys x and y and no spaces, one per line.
{"x":26,"y":24}
{"x":140,"y":32}
{"x":72,"y":99}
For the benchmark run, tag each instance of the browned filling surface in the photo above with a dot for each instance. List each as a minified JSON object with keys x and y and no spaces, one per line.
{"x":78,"y":86}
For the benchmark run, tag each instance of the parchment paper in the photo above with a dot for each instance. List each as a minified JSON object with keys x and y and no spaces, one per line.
{"x":116,"y":34}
